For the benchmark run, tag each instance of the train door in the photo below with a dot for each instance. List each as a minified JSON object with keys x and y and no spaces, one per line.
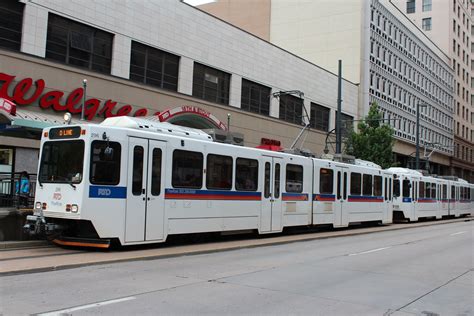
{"x":145,"y":196}
{"x":271,"y":213}
{"x":388,"y":205}
{"x":341,"y":213}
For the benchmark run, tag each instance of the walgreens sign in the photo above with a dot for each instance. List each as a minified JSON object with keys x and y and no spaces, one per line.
{"x":27,"y":91}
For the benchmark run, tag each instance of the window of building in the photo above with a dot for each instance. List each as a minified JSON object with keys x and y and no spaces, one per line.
{"x":78,"y":44}
{"x":356,"y":188}
{"x":187,"y":169}
{"x":319,"y":117}
{"x":11,"y":24}
{"x":426,"y":5}
{"x":219,"y":172}
{"x":426,"y":24}
{"x":255,"y":97}
{"x":347,"y":124}
{"x":211,"y":84}
{"x":411,"y":6}
{"x":246,"y":174}
{"x":105,"y":166}
{"x":294,"y":178}
{"x":154,"y":67}
{"x":291,"y":109}
{"x":326,"y":181}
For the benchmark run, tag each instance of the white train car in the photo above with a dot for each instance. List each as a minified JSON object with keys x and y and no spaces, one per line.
{"x":345,"y":194}
{"x":138,"y":181}
{"x":416,"y":196}
{"x":461,"y":199}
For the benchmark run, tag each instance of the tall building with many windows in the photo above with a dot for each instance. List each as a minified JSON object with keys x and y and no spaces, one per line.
{"x":448,"y":23}
{"x":392,"y":60}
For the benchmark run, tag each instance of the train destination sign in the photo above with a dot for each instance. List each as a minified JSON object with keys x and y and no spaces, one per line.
{"x":65,"y":132}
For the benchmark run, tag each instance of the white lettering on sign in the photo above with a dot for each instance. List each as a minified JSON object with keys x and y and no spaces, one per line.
{"x":104,"y":192}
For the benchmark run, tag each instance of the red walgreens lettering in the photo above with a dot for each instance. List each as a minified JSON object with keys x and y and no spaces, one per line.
{"x":23,"y":94}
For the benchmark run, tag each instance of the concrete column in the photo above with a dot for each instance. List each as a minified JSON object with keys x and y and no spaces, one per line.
{"x":274,"y":105}
{"x":185,"y":76}
{"x":235,"y":97}
{"x":121,"y":53}
{"x":307,"y":105}
{"x":332,"y":119}
{"x":35,"y":27}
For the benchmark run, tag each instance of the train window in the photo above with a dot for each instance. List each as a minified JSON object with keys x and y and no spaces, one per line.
{"x":406,"y":188}
{"x":294,"y":178}
{"x":219,"y":172}
{"x":326,"y":181}
{"x":266,"y":188}
{"x":396,"y":188}
{"x":277,"y":181}
{"x":338,"y":185}
{"x":386,"y":189}
{"x":344,"y":187}
{"x":453,"y":192}
{"x":433,"y":190}
{"x":137,"y":178}
{"x":355,"y":183}
{"x":427,"y":190}
{"x":156,"y":172}
{"x":377,"y":185}
{"x":421,"y":190}
{"x":187,"y":169}
{"x":62,"y":162}
{"x":390,"y":189}
{"x":367,"y":184}
{"x":246,"y":174}
{"x":105,"y":168}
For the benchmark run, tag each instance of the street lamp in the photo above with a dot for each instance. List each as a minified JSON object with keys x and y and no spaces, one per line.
{"x":84,"y":87}
{"x":417,"y":159}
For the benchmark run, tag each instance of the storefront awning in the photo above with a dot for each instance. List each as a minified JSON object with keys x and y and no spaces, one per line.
{"x":26,"y":123}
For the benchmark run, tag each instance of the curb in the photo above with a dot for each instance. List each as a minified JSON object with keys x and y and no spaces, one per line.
{"x":12,"y":245}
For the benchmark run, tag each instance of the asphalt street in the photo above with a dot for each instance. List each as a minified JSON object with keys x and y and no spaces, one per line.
{"x":419,"y":271}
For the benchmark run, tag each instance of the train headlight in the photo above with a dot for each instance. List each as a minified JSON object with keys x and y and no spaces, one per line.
{"x":38,"y":205}
{"x":44,"y":205}
{"x":74,"y":208}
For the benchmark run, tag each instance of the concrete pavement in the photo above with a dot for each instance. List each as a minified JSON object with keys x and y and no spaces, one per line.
{"x":34,"y":261}
{"x":422,"y":271}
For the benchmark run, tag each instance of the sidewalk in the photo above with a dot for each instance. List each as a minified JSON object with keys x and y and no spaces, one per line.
{"x":23,"y":244}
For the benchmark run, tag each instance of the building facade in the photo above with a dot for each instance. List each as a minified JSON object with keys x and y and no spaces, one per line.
{"x":392,"y":60}
{"x":449,"y":25}
{"x":144,"y":58}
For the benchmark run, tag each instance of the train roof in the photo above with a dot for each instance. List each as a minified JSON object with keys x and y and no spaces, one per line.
{"x":406,"y":171}
{"x":152,"y":124}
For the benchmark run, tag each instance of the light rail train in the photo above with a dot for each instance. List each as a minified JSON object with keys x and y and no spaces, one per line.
{"x":136,"y":181}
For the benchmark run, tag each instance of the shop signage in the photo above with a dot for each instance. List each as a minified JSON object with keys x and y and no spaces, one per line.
{"x":27,"y":92}
{"x":8,"y":106}
{"x":188,"y":109}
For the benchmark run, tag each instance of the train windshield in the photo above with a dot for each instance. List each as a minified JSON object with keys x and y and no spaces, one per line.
{"x":62,"y":162}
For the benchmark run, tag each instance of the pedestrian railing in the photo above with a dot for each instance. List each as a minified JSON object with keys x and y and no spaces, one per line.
{"x":11,"y":195}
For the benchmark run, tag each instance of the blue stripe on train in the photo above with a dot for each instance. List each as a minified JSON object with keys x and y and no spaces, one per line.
{"x":107,"y":192}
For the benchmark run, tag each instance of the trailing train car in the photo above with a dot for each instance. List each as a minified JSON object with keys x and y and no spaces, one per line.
{"x":136,"y":181}
{"x":417,"y":196}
